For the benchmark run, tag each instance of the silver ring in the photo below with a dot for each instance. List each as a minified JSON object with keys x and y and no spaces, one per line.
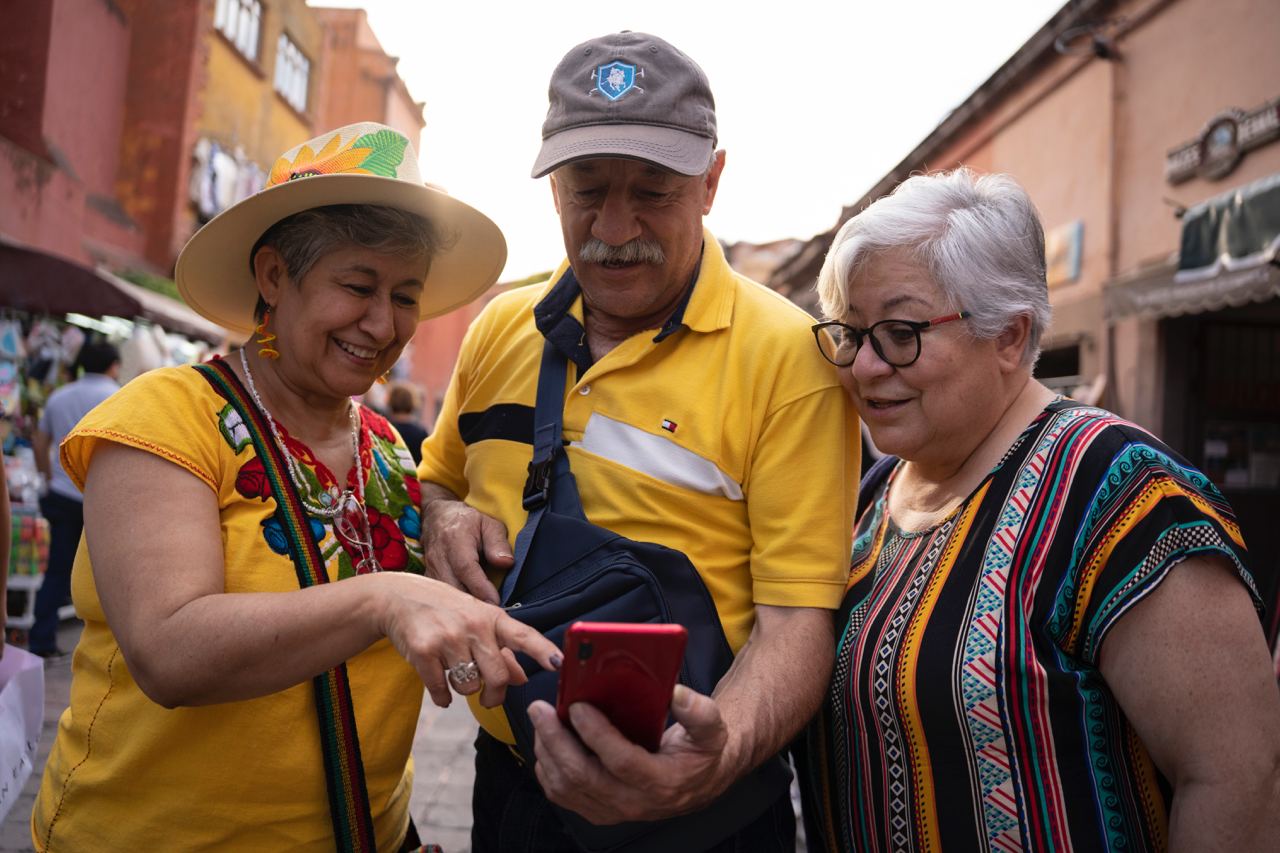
{"x":464,"y":673}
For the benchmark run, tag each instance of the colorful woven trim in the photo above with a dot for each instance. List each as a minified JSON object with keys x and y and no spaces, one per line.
{"x":339,"y":740}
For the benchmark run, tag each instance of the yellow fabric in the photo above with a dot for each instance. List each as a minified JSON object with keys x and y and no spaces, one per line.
{"x":127,"y":774}
{"x":746,"y":390}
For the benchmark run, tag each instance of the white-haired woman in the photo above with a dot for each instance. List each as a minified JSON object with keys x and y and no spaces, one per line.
{"x":258,"y":629}
{"x":1050,"y":638}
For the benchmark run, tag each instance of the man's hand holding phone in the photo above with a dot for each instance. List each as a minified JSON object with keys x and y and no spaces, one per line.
{"x":591,"y":767}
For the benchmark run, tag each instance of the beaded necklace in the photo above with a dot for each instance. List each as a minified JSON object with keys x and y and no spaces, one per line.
{"x":337,"y":508}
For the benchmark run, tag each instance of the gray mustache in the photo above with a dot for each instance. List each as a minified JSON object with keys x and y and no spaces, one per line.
{"x":637,"y":251}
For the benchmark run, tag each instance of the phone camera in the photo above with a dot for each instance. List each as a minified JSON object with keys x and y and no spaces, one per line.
{"x":584,"y":651}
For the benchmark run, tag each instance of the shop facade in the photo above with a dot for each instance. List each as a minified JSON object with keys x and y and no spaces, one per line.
{"x":124,"y":126}
{"x":1148,"y":134}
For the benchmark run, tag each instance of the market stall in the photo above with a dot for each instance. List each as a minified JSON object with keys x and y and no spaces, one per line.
{"x":49,"y":308}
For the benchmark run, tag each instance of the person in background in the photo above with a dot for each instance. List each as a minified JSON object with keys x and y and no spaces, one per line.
{"x":402,"y":402}
{"x":1050,"y":638}
{"x":62,"y":504}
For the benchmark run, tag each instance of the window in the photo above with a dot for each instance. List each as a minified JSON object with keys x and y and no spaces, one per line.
{"x":241,"y":22}
{"x":1059,"y":369}
{"x":292,"y":72}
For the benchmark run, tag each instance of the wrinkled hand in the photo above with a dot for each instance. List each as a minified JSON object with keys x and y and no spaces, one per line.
{"x":435,"y":626}
{"x":455,"y":538}
{"x":608,"y":779}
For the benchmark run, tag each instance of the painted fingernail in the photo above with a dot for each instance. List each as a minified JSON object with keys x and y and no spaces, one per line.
{"x":557,"y":661}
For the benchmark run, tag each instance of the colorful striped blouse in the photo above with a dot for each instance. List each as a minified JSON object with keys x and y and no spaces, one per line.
{"x":967,"y":710}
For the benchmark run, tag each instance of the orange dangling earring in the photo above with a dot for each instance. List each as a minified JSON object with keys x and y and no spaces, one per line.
{"x":384,"y":378}
{"x":266,"y":338}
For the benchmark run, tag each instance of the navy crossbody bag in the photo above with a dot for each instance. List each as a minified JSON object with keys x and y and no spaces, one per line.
{"x":568,"y":569}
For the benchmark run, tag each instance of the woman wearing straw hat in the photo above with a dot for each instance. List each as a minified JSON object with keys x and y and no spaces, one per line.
{"x":257,"y":629}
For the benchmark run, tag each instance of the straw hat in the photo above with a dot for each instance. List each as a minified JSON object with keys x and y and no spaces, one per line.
{"x":363,"y":163}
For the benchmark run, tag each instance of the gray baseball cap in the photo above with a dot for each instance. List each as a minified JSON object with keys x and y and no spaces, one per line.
{"x":629,"y":95}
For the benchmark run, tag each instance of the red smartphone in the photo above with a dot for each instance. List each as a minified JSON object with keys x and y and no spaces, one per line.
{"x":626,"y":670}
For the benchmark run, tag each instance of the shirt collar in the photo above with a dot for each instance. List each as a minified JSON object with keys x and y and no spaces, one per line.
{"x":707,"y":305}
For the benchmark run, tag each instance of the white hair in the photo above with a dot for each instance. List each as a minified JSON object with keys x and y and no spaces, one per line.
{"x":978,"y":237}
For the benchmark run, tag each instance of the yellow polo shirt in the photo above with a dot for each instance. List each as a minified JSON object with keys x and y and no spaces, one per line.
{"x":729,"y":439}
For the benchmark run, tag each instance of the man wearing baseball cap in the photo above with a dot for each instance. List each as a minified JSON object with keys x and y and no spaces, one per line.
{"x":697,"y":416}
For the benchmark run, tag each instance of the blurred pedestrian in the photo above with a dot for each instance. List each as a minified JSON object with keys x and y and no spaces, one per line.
{"x":403,"y":404}
{"x":61,"y":504}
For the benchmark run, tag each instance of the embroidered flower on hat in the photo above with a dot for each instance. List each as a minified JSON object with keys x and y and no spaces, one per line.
{"x":378,"y":153}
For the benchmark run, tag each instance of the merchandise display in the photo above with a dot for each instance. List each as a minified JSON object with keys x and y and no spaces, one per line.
{"x":28,"y":542}
{"x":38,"y":354}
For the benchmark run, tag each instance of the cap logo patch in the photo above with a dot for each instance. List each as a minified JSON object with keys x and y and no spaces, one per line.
{"x":616,"y":79}
{"x":669,"y":425}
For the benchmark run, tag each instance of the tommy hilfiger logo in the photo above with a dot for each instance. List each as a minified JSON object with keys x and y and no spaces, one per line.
{"x":669,"y":426}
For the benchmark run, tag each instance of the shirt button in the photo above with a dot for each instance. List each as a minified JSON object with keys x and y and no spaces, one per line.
{"x":584,"y":390}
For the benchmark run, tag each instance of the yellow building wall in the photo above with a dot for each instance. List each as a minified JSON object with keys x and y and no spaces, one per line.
{"x":241,"y":105}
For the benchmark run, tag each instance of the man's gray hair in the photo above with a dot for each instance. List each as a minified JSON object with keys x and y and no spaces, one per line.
{"x":304,"y":238}
{"x":978,"y":237}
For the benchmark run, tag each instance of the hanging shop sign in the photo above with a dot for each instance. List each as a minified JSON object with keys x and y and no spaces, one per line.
{"x":1062,"y":249}
{"x":1222,"y":143}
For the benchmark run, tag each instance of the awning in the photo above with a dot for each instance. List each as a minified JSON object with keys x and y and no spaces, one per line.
{"x":1238,"y":230}
{"x":41,"y":283}
{"x":169,"y":313}
{"x":1229,"y":256}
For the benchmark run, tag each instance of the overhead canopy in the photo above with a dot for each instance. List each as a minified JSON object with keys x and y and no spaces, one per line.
{"x":1228,"y":256}
{"x":40,"y":283}
{"x":1235,"y":231}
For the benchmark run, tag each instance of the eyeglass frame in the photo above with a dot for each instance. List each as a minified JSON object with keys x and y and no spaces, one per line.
{"x":860,"y":335}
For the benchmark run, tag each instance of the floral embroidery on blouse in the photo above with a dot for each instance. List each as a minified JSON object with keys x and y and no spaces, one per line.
{"x":392,"y":495}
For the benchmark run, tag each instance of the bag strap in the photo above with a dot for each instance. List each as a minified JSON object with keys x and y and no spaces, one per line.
{"x":876,"y":474}
{"x":339,"y":740}
{"x":549,"y":463}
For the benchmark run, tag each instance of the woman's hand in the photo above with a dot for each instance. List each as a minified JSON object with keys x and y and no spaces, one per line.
{"x":436,"y":626}
{"x":187,"y":641}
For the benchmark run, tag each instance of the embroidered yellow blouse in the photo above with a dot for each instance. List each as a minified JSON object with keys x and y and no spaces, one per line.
{"x":128,"y":774}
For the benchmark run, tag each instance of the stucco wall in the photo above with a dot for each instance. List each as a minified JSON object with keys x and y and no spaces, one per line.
{"x":1053,"y":135}
{"x":1189,"y":62}
{"x":88,"y":65}
{"x":63,"y":76}
{"x":241,"y":106}
{"x":166,"y":75}
{"x":359,"y":81}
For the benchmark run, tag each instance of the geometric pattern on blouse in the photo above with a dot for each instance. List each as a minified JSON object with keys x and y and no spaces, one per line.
{"x":966,"y":710}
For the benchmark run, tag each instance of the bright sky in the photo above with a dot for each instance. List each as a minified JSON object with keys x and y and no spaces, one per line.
{"x":815,"y":100}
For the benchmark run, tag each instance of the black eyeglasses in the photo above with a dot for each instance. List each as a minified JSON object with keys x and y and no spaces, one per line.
{"x":897,"y":342}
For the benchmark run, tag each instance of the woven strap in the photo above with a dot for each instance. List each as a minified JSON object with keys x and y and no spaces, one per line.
{"x":339,"y":740}
{"x":549,"y":462}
